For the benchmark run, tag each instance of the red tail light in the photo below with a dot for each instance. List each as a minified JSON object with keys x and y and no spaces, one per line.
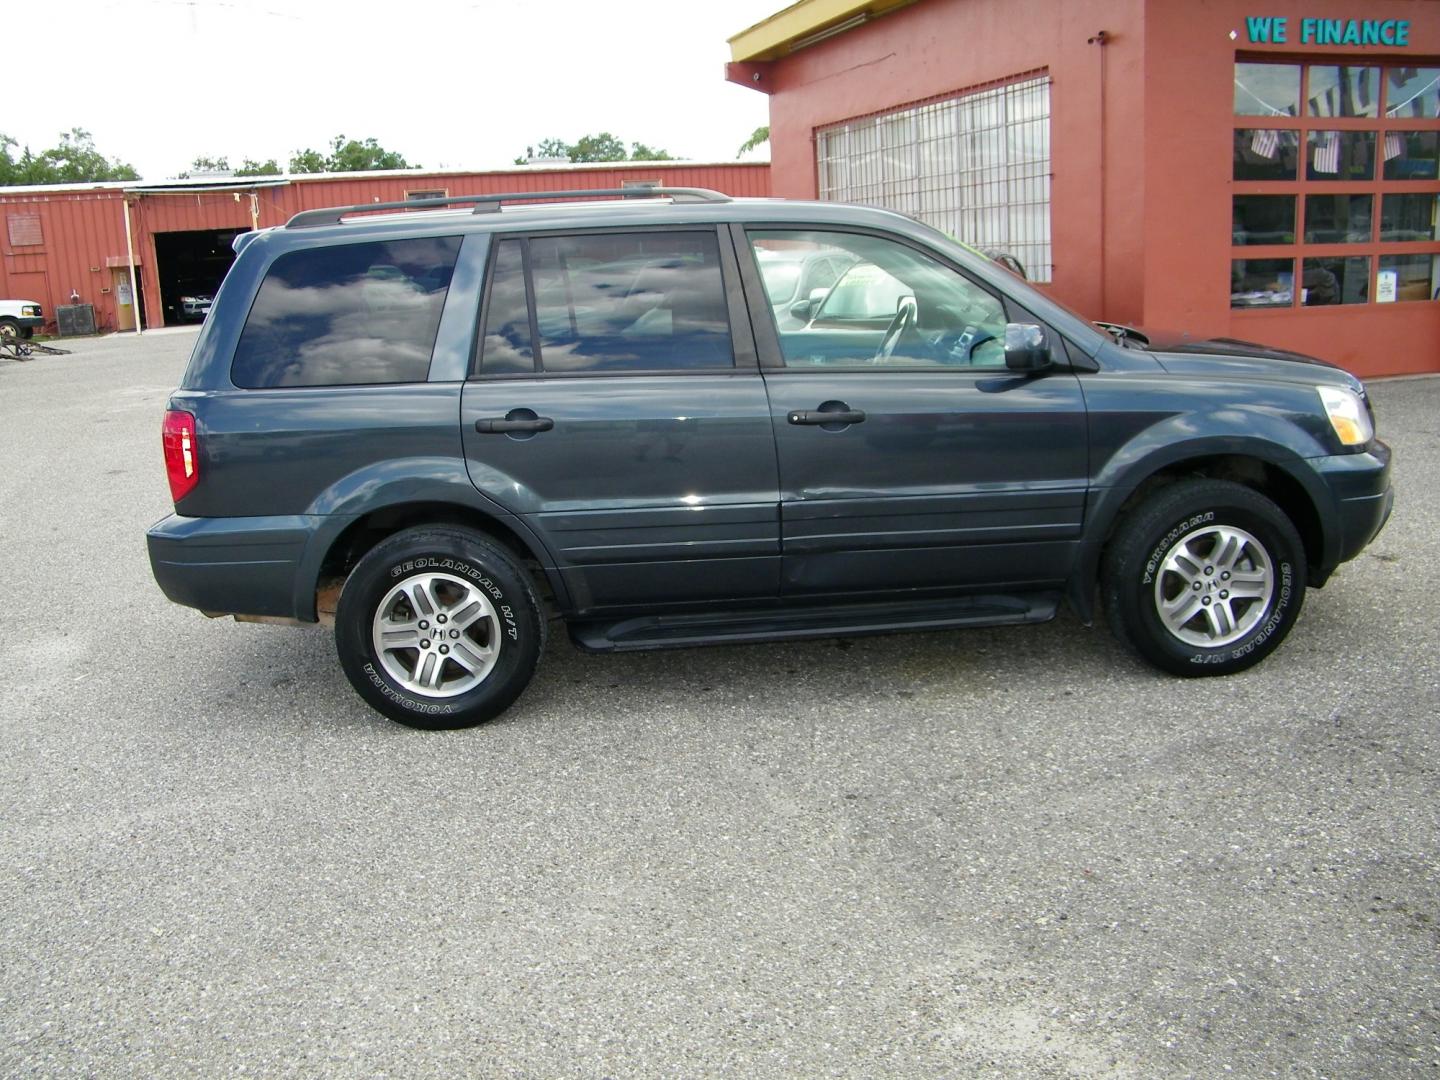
{"x":182,"y":453}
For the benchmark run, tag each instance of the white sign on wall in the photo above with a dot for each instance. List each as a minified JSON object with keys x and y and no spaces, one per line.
{"x":1385,"y":287}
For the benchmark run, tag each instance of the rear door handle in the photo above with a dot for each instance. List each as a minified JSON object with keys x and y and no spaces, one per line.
{"x":823,"y":416}
{"x":503,"y":425}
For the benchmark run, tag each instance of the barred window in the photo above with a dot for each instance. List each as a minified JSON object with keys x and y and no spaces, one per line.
{"x":976,"y":166}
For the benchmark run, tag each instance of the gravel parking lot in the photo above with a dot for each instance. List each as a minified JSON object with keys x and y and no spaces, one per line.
{"x":1011,"y":852}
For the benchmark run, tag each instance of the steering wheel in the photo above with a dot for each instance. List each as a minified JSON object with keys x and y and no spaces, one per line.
{"x":898,"y":325}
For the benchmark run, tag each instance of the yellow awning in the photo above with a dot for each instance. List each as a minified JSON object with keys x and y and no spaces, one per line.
{"x":804,"y":23}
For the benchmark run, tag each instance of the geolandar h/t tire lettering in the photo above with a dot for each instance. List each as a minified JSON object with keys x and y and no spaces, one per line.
{"x":439,"y":628}
{"x":1206,"y":577}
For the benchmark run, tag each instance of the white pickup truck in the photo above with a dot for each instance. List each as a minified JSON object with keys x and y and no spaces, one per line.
{"x":20,"y":318}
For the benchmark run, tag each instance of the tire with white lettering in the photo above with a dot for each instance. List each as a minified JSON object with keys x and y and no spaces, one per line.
{"x":1205,"y":577}
{"x":438,"y":627}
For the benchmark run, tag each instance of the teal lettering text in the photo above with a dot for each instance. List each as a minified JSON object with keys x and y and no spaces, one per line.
{"x":1258,"y":28}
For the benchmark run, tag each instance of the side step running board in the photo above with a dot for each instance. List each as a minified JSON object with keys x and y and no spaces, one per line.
{"x":842,"y":620}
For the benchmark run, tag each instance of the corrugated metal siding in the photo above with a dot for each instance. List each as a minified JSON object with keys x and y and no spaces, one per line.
{"x":79,"y":231}
{"x":82,"y":230}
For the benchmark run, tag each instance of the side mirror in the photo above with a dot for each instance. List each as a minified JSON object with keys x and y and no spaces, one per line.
{"x":806,"y":309}
{"x":1026,"y":348}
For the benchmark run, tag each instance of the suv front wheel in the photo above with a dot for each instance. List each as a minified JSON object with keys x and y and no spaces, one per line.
{"x":438,"y":628}
{"x":1205,"y":577}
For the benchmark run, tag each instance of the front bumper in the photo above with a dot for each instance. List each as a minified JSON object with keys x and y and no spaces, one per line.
{"x":231,"y":566}
{"x":1360,"y":484}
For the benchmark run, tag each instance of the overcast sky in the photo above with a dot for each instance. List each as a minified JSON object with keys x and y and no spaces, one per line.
{"x":447,"y":83}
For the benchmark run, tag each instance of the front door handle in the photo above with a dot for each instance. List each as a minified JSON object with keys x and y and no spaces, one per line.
{"x":826,"y":416}
{"x":504,"y":425}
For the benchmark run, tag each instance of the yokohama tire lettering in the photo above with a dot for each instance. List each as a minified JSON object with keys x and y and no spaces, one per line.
{"x":1157,"y":556}
{"x":400,"y":699}
{"x":1266,"y":630}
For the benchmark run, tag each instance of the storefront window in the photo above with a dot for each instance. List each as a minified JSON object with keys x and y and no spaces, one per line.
{"x":1265,"y":154}
{"x":1413,"y":92}
{"x":1267,"y":89}
{"x":1262,"y":283}
{"x":1337,"y":219}
{"x":1263,"y":219}
{"x":1411,"y":155}
{"x":1407,"y":277}
{"x":1335,"y":279}
{"x":1343,"y":91}
{"x":1356,"y":164}
{"x":1340,"y":155}
{"x":1407,"y":218}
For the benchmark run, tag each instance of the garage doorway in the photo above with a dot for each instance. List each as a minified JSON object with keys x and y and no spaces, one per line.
{"x":191,"y":266}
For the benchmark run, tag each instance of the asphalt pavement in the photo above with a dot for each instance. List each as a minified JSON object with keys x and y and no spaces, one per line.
{"x":1016,"y":852}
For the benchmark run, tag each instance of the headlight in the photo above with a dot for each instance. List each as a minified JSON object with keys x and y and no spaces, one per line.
{"x":1348,"y":415}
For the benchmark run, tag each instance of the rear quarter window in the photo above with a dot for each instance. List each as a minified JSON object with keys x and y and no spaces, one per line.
{"x":347,"y":315}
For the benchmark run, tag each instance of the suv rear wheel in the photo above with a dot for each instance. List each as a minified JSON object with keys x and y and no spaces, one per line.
{"x":1205,"y":577}
{"x":438,"y":627}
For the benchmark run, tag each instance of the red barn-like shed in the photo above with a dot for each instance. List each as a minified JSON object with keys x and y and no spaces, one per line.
{"x":64,"y":244}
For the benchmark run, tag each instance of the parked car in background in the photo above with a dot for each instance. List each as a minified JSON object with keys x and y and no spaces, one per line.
{"x":1008,"y":261}
{"x":796,"y":281}
{"x":20,"y":318}
{"x":434,"y":427}
{"x":195,"y":307}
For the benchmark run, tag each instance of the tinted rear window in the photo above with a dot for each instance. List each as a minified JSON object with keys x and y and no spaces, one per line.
{"x":644,"y":301}
{"x":347,"y":315}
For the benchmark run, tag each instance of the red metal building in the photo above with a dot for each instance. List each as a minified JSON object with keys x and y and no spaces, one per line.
{"x":64,"y":244}
{"x":1228,"y":168}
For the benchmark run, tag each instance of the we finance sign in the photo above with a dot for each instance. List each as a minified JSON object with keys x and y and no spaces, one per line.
{"x":1282,"y":30}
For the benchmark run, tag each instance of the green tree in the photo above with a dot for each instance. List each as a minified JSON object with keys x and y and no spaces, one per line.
{"x":348,"y":155}
{"x":641,"y":152}
{"x":251,"y":167}
{"x":74,"y":161}
{"x":759,"y":137}
{"x":601,"y":147}
{"x":205,"y":164}
{"x":307,"y":161}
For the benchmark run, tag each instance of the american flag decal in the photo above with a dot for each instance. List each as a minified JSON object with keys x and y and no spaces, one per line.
{"x":1394,"y":145}
{"x":1327,"y":152}
{"x":1266,"y":143}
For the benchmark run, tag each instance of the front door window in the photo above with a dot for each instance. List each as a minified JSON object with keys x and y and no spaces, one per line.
{"x":891,"y":306}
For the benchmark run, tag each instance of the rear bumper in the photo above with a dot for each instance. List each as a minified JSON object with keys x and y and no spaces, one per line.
{"x":231,"y":566}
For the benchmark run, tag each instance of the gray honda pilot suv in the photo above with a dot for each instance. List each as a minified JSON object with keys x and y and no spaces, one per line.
{"x":434,"y":427}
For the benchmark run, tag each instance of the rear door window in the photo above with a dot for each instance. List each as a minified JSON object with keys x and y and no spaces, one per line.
{"x":351,"y":314}
{"x":610,"y":302}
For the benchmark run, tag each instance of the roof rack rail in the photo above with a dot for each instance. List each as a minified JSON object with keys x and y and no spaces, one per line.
{"x":489,"y":204}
